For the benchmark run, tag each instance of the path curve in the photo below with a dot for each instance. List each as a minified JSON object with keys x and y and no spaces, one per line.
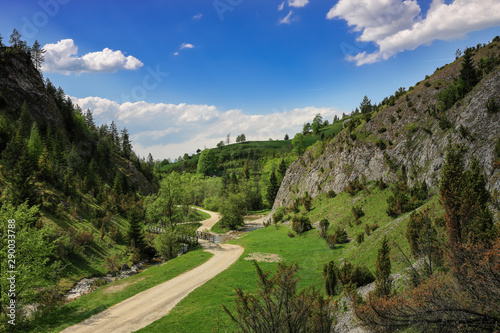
{"x":150,"y":305}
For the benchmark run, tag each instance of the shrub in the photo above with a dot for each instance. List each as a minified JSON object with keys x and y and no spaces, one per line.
{"x":427,"y":84}
{"x":279,"y":214}
{"x":307,"y":201}
{"x":444,"y":123}
{"x":323,"y":225}
{"x":392,"y":119}
{"x":492,"y":106}
{"x":82,"y":238}
{"x":339,"y":236}
{"x":357,"y":211}
{"x":116,"y":235}
{"x":380,"y":144}
{"x":331,"y":194}
{"x":360,"y":238}
{"x":380,"y":184}
{"x":382,"y":130}
{"x":357,"y":275}
{"x":291,"y":234}
{"x":301,"y":223}
{"x":353,"y":187}
{"x":367,"y":230}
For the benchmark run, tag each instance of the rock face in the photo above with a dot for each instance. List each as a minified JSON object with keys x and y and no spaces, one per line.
{"x":414,"y":140}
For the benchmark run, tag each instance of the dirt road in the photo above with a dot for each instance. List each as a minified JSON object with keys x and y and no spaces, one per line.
{"x":150,"y":305}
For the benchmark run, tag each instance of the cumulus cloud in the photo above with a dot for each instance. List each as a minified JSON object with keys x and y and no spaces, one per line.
{"x":186,"y":46}
{"x":170,"y":130}
{"x":395,"y":26}
{"x":62,"y":57}
{"x":287,"y":19}
{"x":297,"y":3}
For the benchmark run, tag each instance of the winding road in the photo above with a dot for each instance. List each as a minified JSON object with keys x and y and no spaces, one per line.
{"x":150,"y":305}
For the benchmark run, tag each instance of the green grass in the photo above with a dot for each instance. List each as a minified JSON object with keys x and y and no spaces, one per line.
{"x":200,"y":310}
{"x":108,"y":295}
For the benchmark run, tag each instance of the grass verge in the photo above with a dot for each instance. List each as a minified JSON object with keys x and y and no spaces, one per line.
{"x":111,"y":294}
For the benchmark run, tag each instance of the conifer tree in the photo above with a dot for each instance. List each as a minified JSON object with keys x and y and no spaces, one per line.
{"x":35,"y":144}
{"x":135,"y":234}
{"x":89,"y":120}
{"x":1,"y":38}
{"x":37,"y":55}
{"x":15,"y":39}
{"x":468,"y":73}
{"x":25,"y":122}
{"x":272,"y":189}
{"x":246,"y":170}
{"x":126,"y":144}
{"x":383,"y":280}
{"x":330,"y":272}
{"x":282,"y":168}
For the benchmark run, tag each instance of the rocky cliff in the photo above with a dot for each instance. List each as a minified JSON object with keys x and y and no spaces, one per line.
{"x":408,"y":137}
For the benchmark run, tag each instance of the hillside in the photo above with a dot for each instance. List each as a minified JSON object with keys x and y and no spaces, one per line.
{"x":407,"y":137}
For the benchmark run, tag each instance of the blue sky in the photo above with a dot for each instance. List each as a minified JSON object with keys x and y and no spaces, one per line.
{"x":180,"y":75}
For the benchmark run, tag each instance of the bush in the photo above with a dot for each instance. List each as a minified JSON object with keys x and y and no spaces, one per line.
{"x":444,"y":123}
{"x":360,"y":238}
{"x":357,"y":211}
{"x":392,"y":119}
{"x":492,"y":106}
{"x":331,"y":194}
{"x":279,"y":214}
{"x":301,"y":223}
{"x":382,"y":130}
{"x":307,"y":201}
{"x":381,"y":145}
{"x":339,"y":236}
{"x":353,"y":187}
{"x":381,"y":184}
{"x":291,"y":234}
{"x":323,"y":225}
{"x":357,"y":275}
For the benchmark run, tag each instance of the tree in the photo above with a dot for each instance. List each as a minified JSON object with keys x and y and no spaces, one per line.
{"x":272,"y":188}
{"x":306,"y":129}
{"x":233,"y":209}
{"x":1,"y":39}
{"x":468,"y":73}
{"x":228,"y":138}
{"x":167,"y":244}
{"x":126,"y":144}
{"x":35,"y":144}
{"x":278,"y":306}
{"x":37,"y":55}
{"x":246,"y":170}
{"x":220,"y":145}
{"x":330,"y":272}
{"x":282,"y":169}
{"x":15,"y":40}
{"x":286,"y":137}
{"x":206,"y":163}
{"x":25,"y":122}
{"x":135,"y":233}
{"x":298,"y":144}
{"x":89,"y":120}
{"x":366,"y":105}
{"x":37,"y":271}
{"x":317,"y":123}
{"x":170,"y":196}
{"x":383,"y":280}
{"x":323,"y":227}
{"x":241,"y":138}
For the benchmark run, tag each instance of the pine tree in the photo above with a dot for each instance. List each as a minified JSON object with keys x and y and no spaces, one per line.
{"x":282,"y":168}
{"x":15,"y":39}
{"x":1,"y":39}
{"x":383,"y":280}
{"x":135,"y":234}
{"x":330,"y":272}
{"x":115,"y":138}
{"x":37,"y":55}
{"x":366,"y":105}
{"x":25,"y":122}
{"x":126,"y":144}
{"x":286,"y":137}
{"x":468,"y":73}
{"x":44,"y":165}
{"x":35,"y":144}
{"x":272,"y":189}
{"x":89,"y":120}
{"x":246,"y":170}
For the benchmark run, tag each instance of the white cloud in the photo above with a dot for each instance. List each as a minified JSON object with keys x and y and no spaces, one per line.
{"x":170,"y":130}
{"x":396,"y":26}
{"x":287,"y":19}
{"x":297,"y":3}
{"x":62,"y":57}
{"x":281,"y":6}
{"x":176,"y":53}
{"x":198,"y":16}
{"x":186,"y":46}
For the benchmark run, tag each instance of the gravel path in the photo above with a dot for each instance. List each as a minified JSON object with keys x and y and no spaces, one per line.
{"x":150,"y":305}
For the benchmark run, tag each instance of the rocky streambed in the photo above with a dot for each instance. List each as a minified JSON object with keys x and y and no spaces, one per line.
{"x":87,"y":285}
